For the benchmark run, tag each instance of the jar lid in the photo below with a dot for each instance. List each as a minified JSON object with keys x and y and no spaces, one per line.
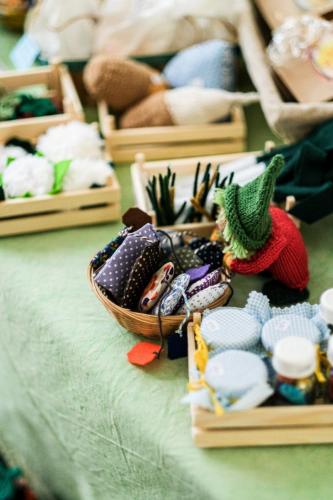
{"x":294,"y":357}
{"x":326,"y":306}
{"x":234,"y":372}
{"x":230,"y":328}
{"x":286,"y":325}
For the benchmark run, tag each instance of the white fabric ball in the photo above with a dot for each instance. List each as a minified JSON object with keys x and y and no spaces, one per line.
{"x":70,"y":141}
{"x":10,"y":152}
{"x":83,"y":173}
{"x":29,"y":174}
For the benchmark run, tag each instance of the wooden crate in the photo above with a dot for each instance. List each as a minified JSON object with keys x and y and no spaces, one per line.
{"x":159,"y":143}
{"x":141,"y":171}
{"x":59,"y":85}
{"x":264,"y":426}
{"x":44,"y":213}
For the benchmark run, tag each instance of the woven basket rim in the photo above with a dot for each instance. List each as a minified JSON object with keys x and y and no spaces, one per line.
{"x":144,"y":317}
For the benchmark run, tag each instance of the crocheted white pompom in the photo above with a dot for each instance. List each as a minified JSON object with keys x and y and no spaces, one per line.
{"x":83,"y":173}
{"x":69,"y":141}
{"x":10,"y":152}
{"x":29,"y":174}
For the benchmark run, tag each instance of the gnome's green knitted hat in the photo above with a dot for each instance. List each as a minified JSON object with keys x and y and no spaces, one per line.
{"x":246,"y":208}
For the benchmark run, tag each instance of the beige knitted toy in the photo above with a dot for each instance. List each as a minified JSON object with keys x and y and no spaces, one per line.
{"x":184,"y":106}
{"x":120,"y":82}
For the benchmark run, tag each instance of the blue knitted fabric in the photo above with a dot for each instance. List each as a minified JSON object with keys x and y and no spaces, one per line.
{"x":210,"y":64}
{"x":230,"y":328}
{"x":256,"y":327}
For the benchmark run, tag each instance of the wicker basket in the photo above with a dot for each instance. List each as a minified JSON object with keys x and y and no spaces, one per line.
{"x":145,"y":324}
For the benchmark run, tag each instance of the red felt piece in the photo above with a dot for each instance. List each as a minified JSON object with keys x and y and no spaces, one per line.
{"x":143,"y":353}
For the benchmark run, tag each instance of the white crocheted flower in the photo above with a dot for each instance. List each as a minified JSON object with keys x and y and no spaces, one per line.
{"x":10,"y":152}
{"x":83,"y":173}
{"x":70,"y":141}
{"x":29,"y":174}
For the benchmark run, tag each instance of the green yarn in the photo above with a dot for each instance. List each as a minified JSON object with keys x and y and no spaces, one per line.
{"x":246,"y":210}
{"x":14,"y":105}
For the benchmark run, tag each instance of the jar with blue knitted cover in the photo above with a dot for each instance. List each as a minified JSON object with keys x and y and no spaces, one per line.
{"x":230,"y":328}
{"x":239,"y":379}
{"x":286,"y":325}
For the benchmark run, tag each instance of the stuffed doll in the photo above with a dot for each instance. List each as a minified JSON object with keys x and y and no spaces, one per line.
{"x":184,"y":106}
{"x":262,"y":238}
{"x":141,"y":97}
{"x":119,"y":82}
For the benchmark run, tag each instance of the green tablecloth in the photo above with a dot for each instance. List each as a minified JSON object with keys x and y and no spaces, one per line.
{"x":84,"y":423}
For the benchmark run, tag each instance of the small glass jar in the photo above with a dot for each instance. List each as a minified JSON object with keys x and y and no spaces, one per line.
{"x":294,"y":361}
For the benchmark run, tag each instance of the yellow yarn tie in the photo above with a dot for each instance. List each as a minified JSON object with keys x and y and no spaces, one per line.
{"x":320,"y":357}
{"x":201,"y":359}
{"x":201,"y":352}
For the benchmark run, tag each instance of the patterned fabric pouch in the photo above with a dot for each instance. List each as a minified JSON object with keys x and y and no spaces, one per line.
{"x":114,"y":274}
{"x":197,"y":242}
{"x":103,"y":255}
{"x":204,"y":298}
{"x":210,"y":279}
{"x":211,"y":253}
{"x":156,"y":286}
{"x":171,"y":297}
{"x":187,"y":258}
{"x":144,"y":266}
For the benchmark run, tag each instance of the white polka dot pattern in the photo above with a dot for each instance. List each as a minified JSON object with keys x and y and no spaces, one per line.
{"x":204,"y":298}
{"x":114,"y":274}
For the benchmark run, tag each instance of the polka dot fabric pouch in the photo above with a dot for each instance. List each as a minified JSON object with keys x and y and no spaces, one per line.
{"x":156,"y":286}
{"x":210,"y":279}
{"x":210,"y":253}
{"x":204,"y":298}
{"x":114,"y":274}
{"x":187,"y":259}
{"x":144,"y":266}
{"x":103,"y":255}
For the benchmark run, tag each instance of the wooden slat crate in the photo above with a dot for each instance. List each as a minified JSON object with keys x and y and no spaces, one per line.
{"x":264,"y":426}
{"x":44,"y":213}
{"x":159,"y":143}
{"x":59,"y":85}
{"x":142,"y":170}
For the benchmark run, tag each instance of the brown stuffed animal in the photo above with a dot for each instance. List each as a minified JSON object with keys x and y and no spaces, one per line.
{"x":184,"y":106}
{"x":119,"y":82}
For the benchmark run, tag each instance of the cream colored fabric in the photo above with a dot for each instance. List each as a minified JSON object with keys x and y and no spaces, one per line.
{"x":145,"y":27}
{"x":196,"y":105}
{"x":291,"y":120}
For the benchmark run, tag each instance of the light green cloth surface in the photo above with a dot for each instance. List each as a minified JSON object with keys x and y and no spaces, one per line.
{"x":87,"y":425}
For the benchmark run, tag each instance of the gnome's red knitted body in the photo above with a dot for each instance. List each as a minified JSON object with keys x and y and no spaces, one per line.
{"x":284,"y":254}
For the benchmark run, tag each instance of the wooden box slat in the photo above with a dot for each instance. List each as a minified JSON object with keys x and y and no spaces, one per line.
{"x":59,"y":84}
{"x":260,"y":426}
{"x":48,"y":212}
{"x":173,"y":141}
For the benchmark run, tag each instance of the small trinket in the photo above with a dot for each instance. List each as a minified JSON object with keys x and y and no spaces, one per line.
{"x":294,"y":361}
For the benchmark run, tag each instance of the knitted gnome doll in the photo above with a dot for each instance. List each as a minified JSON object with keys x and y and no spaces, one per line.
{"x":262,"y":238}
